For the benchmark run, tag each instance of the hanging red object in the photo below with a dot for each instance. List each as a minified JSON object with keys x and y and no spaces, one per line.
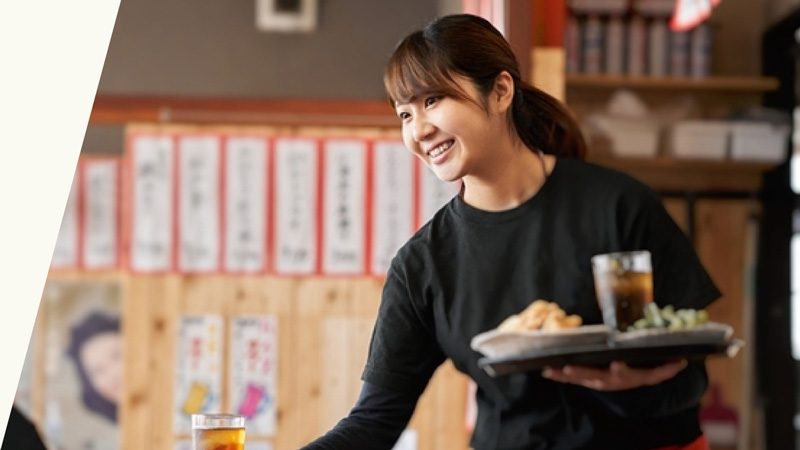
{"x":690,"y":13}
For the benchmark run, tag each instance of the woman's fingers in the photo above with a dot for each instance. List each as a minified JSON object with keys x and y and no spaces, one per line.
{"x":618,"y":376}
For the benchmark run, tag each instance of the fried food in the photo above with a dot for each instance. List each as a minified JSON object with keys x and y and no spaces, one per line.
{"x":541,"y":315}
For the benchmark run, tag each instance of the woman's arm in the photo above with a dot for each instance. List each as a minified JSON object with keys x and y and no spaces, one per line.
{"x":375,"y":423}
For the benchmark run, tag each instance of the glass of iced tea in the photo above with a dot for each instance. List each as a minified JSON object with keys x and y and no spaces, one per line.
{"x":217,"y":432}
{"x":623,"y":282}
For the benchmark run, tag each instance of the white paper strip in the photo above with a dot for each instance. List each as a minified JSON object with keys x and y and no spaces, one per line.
{"x":392,"y":202}
{"x":434,"y":193}
{"x":152,"y":233}
{"x":408,"y":440}
{"x":101,"y":208}
{"x":295,"y":206}
{"x":198,"y":201}
{"x":245,"y":204}
{"x":344,"y":233}
{"x":198,"y":371}
{"x":65,"y":253}
{"x":253,"y":372}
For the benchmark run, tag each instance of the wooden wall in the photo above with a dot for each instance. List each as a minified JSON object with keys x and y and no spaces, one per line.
{"x":324,"y":327}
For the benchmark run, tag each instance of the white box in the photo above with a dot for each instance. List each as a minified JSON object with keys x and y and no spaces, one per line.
{"x":759,"y":141}
{"x":699,"y":139}
{"x":637,"y":138}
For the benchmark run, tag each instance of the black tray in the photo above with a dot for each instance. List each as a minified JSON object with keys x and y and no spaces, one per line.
{"x":601,"y":355}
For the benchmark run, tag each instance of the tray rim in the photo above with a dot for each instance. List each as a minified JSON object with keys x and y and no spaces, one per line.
{"x":528,"y":361}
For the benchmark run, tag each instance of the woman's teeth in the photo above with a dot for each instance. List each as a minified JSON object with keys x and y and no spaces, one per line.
{"x":439,"y":149}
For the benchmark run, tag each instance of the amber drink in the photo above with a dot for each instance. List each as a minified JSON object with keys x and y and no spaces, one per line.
{"x":624,"y":286}
{"x":217,"y":432}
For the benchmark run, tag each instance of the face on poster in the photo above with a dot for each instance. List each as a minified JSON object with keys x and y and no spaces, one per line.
{"x":83,"y":365}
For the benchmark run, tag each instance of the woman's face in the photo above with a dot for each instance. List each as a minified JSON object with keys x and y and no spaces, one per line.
{"x":101,"y":357}
{"x":453,"y":137}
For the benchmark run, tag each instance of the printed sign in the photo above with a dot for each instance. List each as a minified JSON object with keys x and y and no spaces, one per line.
{"x":198,"y":382}
{"x":198,"y":201}
{"x":344,"y":191}
{"x":253,"y":371}
{"x":296,"y":199}
{"x":65,"y":253}
{"x":151,"y":239}
{"x":392,"y":202}
{"x":101,"y":213}
{"x":245,"y":204}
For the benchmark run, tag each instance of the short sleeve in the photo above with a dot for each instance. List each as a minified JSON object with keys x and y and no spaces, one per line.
{"x":404,"y":352}
{"x":679,"y":277}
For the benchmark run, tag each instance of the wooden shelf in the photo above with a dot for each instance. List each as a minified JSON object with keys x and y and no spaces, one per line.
{"x":733,"y":84}
{"x":697,"y":176}
{"x":124,"y":109}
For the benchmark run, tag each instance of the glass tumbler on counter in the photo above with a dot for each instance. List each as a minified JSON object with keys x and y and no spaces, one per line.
{"x":217,"y":432}
{"x":623,"y":282}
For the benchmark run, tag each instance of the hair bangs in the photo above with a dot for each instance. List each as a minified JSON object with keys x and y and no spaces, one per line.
{"x":417,"y":69}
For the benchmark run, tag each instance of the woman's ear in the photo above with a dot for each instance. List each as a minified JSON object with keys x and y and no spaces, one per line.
{"x":503,"y":93}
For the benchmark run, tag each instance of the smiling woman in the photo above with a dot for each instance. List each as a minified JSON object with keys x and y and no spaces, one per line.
{"x":525,"y":225}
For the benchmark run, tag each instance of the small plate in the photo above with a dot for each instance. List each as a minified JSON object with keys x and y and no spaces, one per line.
{"x":501,"y":344}
{"x":707,"y":332}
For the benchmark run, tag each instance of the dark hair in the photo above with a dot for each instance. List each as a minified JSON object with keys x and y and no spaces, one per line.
{"x":466,"y":45}
{"x":94,"y":324}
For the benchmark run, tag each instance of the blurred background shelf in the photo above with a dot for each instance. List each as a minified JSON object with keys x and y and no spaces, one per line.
{"x":666,"y":174}
{"x":715,"y":83}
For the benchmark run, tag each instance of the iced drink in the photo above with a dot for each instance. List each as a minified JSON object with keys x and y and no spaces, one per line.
{"x":624,"y":286}
{"x":217,"y":432}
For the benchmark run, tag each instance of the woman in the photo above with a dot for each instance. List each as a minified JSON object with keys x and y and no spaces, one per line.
{"x":96,"y":348}
{"x":525,"y":225}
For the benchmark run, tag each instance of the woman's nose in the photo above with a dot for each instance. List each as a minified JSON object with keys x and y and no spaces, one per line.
{"x":422,"y":129}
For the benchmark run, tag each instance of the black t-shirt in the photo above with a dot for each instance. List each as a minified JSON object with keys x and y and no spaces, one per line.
{"x":21,"y":433}
{"x":467,"y":270}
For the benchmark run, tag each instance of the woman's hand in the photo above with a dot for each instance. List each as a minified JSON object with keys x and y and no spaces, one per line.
{"x":619,"y":376}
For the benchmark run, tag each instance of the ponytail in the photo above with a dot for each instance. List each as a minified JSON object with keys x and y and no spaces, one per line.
{"x":542,"y":122}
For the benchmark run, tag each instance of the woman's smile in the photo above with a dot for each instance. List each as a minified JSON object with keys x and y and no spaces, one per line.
{"x":438,"y":154}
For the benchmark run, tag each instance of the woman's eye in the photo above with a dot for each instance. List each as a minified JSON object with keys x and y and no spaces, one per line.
{"x":430,"y":101}
{"x":403,"y":115}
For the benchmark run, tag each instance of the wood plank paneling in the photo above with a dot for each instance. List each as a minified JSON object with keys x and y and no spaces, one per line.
{"x":324,"y":327}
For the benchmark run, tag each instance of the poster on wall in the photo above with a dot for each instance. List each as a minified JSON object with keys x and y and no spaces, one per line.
{"x":253,"y":372}
{"x":100,"y":213}
{"x":392,"y":202}
{"x":246,"y":204}
{"x":65,"y":253}
{"x":296,"y":198}
{"x":83,"y":365}
{"x":433,"y":193}
{"x":198,"y":368}
{"x":199,"y":203}
{"x":344,"y":206}
{"x":152,"y":210}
